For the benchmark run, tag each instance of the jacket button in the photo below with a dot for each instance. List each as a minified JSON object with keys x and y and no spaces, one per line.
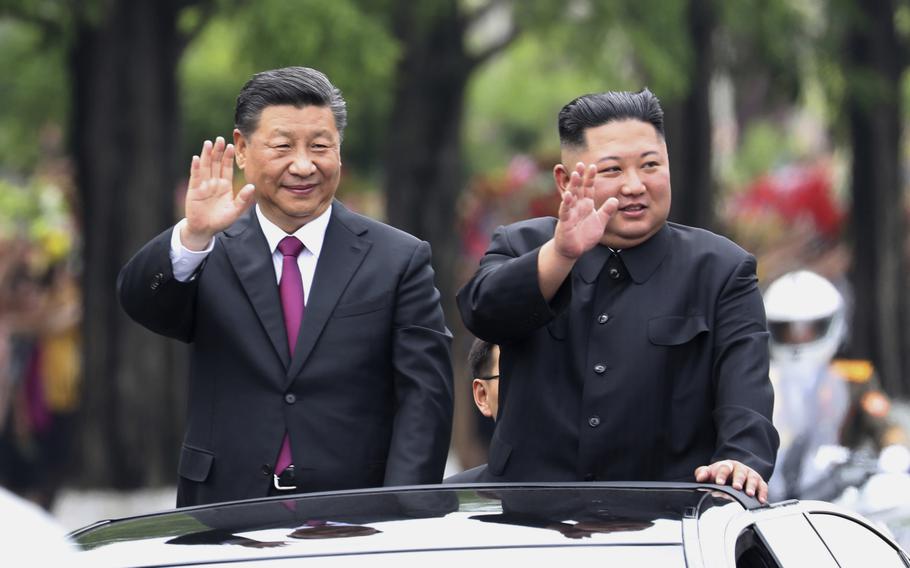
{"x":594,"y":421}
{"x":156,"y":281}
{"x":266,"y":469}
{"x":290,"y":398}
{"x":603,"y":318}
{"x":613,"y":273}
{"x":600,"y":368}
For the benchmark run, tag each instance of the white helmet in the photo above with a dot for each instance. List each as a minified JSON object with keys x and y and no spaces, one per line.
{"x":806,"y":318}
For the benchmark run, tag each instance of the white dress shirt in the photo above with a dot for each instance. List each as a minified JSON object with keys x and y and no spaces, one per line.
{"x":312,"y":235}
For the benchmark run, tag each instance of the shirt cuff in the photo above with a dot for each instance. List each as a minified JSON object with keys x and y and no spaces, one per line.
{"x":184,"y":262}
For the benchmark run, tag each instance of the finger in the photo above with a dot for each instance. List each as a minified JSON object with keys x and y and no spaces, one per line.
{"x":217,"y":154}
{"x":565,"y":206}
{"x":752,"y":484}
{"x":702,"y":473}
{"x":762,"y":491}
{"x":722,"y":472}
{"x":740,"y":474}
{"x":227,"y":163}
{"x":587,"y":185}
{"x":244,"y":197}
{"x":194,"y":172}
{"x":575,"y":185}
{"x":205,"y":162}
{"x":608,"y":209}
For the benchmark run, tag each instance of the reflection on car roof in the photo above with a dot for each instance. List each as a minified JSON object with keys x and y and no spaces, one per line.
{"x":640,"y":521}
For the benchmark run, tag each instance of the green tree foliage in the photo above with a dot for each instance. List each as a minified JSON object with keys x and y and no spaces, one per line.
{"x":355,"y":51}
{"x":33,"y":94}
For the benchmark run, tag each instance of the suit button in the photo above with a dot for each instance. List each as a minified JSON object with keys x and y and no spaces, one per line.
{"x":266,"y":469}
{"x":156,"y":281}
{"x":594,"y":421}
{"x":603,"y":318}
{"x":600,"y":368}
{"x":613,"y":273}
{"x":290,"y":398}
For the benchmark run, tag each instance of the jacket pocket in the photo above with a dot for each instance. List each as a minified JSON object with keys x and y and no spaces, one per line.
{"x":500,"y":451}
{"x":676,"y":330}
{"x":361,"y":306}
{"x":195,"y":463}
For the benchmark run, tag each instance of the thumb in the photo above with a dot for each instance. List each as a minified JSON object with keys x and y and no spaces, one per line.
{"x":245,"y":196}
{"x":609,"y":208}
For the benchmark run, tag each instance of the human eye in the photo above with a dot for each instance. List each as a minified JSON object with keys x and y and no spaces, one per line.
{"x":609,"y":170}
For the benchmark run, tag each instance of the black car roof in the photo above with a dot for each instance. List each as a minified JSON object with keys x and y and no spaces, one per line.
{"x":440,"y":517}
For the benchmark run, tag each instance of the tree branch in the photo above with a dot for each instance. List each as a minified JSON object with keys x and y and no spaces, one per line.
{"x":495,"y":47}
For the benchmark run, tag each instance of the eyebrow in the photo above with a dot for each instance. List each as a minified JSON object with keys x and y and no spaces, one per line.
{"x":290,"y":134}
{"x":617,"y":158}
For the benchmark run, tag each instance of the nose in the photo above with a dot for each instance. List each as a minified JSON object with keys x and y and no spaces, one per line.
{"x":302,"y":165}
{"x":632,"y":185}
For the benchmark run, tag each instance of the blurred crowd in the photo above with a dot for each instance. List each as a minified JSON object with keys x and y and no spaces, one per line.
{"x":40,"y":315}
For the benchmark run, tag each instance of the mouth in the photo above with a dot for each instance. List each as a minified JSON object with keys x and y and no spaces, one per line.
{"x":633,"y":208}
{"x":300,"y":188}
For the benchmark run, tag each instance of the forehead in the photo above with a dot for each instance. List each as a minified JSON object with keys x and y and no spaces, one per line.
{"x":621,"y":138}
{"x":292,"y":120}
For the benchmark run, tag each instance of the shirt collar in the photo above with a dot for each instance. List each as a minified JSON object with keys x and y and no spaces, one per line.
{"x":311,"y":235}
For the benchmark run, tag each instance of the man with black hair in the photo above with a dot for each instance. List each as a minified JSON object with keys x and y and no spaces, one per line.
{"x":483,"y":359}
{"x":631,"y":348}
{"x":320,"y":358}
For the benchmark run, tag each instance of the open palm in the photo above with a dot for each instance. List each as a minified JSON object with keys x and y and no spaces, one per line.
{"x":211,"y":205}
{"x":581,"y":224}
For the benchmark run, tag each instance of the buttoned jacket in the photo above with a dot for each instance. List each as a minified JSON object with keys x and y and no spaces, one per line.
{"x":645,"y":364}
{"x":367,"y":396}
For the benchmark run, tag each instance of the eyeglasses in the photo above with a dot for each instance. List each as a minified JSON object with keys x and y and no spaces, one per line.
{"x":490,"y":378}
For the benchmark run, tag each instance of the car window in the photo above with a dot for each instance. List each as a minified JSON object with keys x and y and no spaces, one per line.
{"x":854,"y":544}
{"x":751,"y":552}
{"x":793,"y":542}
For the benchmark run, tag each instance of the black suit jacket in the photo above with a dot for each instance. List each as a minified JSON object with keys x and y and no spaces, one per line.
{"x":641,"y":376}
{"x":367,"y":397}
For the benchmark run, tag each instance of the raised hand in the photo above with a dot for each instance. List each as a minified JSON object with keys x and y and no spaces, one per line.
{"x":211,"y":205}
{"x":581,"y":224}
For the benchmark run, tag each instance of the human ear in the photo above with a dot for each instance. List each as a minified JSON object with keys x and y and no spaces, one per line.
{"x":481,"y":398}
{"x":561,"y":176}
{"x":240,"y":147}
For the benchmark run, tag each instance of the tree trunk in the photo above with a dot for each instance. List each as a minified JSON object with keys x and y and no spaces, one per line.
{"x":424,"y":163}
{"x":124,"y":138}
{"x":688,"y":126}
{"x":874,"y":68}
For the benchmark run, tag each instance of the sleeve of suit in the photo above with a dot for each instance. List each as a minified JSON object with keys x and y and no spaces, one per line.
{"x":151,"y":295}
{"x":744,"y":395}
{"x":421,"y":356}
{"x":502,"y":302}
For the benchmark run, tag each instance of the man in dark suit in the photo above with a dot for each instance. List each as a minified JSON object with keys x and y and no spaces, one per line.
{"x":631,"y":348}
{"x":320,"y":358}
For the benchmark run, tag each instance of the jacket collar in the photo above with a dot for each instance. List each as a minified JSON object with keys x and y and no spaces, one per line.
{"x":640,"y":261}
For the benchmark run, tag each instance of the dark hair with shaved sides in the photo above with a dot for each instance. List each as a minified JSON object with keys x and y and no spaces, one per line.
{"x":589,"y":111}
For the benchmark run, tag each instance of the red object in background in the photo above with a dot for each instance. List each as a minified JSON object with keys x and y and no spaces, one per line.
{"x":795,"y":192}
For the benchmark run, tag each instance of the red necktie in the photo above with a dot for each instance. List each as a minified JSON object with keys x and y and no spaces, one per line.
{"x":290,"y":287}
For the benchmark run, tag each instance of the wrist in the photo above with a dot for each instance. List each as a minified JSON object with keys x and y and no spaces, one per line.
{"x":194,"y":240}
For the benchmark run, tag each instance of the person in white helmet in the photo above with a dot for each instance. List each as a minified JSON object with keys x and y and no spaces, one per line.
{"x":821,"y":403}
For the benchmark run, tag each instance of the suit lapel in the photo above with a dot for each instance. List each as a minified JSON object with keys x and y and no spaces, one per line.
{"x":343,"y":251}
{"x":249,"y":254}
